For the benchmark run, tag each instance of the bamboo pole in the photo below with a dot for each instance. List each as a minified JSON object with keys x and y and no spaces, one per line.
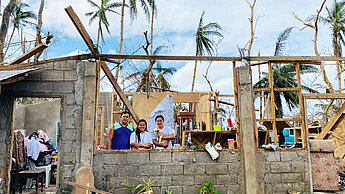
{"x":301,"y":106}
{"x":274,"y":123}
{"x":236,"y":104}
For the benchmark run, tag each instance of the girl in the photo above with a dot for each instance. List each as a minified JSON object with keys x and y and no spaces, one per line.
{"x":141,"y":139}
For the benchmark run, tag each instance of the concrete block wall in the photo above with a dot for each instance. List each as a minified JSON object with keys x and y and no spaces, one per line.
{"x":6,"y":139}
{"x":283,"y":170}
{"x":178,"y":171}
{"x":63,"y":80}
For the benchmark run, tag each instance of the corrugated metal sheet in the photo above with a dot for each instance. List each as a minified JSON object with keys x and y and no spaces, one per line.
{"x":4,"y":75}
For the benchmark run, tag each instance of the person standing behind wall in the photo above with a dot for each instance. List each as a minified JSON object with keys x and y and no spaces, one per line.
{"x":170,"y":134}
{"x":119,"y":134}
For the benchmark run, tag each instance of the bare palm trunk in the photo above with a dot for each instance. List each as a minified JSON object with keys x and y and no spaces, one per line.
{"x":9,"y":41}
{"x":99,"y":31}
{"x":39,"y":24}
{"x":195,"y":65}
{"x":4,"y":26}
{"x":121,"y":38}
{"x":152,"y":19}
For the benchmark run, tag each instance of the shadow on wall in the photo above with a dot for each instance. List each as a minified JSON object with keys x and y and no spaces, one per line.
{"x":42,"y":116}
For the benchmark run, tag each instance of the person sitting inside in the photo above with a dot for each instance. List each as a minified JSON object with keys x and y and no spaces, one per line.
{"x":141,"y":139}
{"x":119,"y":134}
{"x":169,"y":134}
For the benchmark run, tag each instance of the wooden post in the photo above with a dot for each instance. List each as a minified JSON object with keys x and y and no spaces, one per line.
{"x":98,"y":69}
{"x":273,"y":105}
{"x":236,"y":105}
{"x":301,"y":106}
{"x":247,"y":134}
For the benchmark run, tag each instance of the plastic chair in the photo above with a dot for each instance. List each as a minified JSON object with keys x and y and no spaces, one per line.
{"x":47,"y":169}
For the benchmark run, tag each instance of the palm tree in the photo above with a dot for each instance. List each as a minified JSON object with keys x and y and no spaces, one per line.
{"x":336,"y":20}
{"x":4,"y":26}
{"x":284,"y":76}
{"x":133,"y":11}
{"x":20,"y":17}
{"x":204,"y":40}
{"x":100,"y":13}
{"x":157,"y":79}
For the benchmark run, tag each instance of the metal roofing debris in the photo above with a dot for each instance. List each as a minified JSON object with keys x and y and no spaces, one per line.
{"x":4,"y":75}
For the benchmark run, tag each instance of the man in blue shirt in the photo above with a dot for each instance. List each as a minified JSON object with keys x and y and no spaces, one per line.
{"x":119,"y":134}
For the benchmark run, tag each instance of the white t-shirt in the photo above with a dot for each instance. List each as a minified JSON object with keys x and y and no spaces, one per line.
{"x":168,"y":131}
{"x":144,"y":138}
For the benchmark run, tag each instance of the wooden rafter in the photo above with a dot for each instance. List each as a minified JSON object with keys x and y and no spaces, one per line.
{"x":84,"y":34}
{"x":37,"y":49}
{"x":331,"y":123}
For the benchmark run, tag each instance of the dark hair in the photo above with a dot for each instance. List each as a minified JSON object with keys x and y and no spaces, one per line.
{"x":125,"y":112}
{"x":137,"y":131}
{"x":159,"y":116}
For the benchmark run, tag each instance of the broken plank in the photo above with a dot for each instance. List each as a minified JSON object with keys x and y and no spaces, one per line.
{"x":30,"y":53}
{"x":331,"y":123}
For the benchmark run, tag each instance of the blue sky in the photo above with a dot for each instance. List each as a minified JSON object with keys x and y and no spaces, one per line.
{"x":175,"y":26}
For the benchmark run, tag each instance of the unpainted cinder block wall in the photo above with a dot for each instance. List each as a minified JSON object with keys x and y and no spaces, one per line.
{"x":64,"y":80}
{"x":177,"y":171}
{"x":182,"y":171}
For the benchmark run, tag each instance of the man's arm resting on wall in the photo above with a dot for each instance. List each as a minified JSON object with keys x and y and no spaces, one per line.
{"x":110,"y":137}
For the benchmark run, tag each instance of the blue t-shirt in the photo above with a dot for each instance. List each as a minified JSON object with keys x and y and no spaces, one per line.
{"x":168,"y":131}
{"x":121,"y":137}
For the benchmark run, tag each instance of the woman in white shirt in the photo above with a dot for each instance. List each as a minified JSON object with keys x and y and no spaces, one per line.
{"x":141,"y":139}
{"x":169,"y":134}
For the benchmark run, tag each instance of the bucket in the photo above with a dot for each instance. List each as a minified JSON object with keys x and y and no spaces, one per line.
{"x":231,"y":143}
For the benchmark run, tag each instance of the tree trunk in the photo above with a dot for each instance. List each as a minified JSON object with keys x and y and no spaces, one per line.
{"x":152,"y":18}
{"x":121,"y":38}
{"x":39,"y":24}
{"x":99,"y":31}
{"x":196,"y":63}
{"x":4,"y":26}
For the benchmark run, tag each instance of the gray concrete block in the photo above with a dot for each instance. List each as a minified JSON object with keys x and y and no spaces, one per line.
{"x":45,"y":87}
{"x":69,"y":122}
{"x":70,"y":76}
{"x":67,"y":146}
{"x":172,"y":169}
{"x":138,"y":158}
{"x":175,"y":189}
{"x":161,"y":180}
{"x":52,"y":75}
{"x":280,"y":188}
{"x":288,"y":156}
{"x":63,"y":87}
{"x":67,"y":135}
{"x":66,"y":170}
{"x":216,"y":169}
{"x":65,"y":65}
{"x":233,"y":189}
{"x":234,"y":168}
{"x":203,"y":157}
{"x":194,"y":168}
{"x":114,"y":159}
{"x":220,"y":188}
{"x":69,"y":99}
{"x":90,"y":69}
{"x":122,"y":190}
{"x":125,"y":170}
{"x":199,"y":179}
{"x":299,"y":167}
{"x":34,"y":75}
{"x":183,"y":156}
{"x":272,"y":178}
{"x":280,"y":167}
{"x":117,"y":181}
{"x":226,"y":156}
{"x":183,"y":180}
{"x":268,"y":188}
{"x":189,"y":190}
{"x":69,"y":158}
{"x":271,"y":156}
{"x":291,"y":177}
{"x":138,"y":180}
{"x":230,"y":179}
{"x":148,"y":169}
{"x":160,"y":157}
{"x":299,"y":187}
{"x":302,"y":154}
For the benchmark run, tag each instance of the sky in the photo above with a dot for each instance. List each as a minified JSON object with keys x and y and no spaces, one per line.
{"x":175,"y":27}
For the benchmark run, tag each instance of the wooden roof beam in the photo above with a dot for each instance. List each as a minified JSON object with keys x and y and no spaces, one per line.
{"x":37,"y":49}
{"x":82,"y":31}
